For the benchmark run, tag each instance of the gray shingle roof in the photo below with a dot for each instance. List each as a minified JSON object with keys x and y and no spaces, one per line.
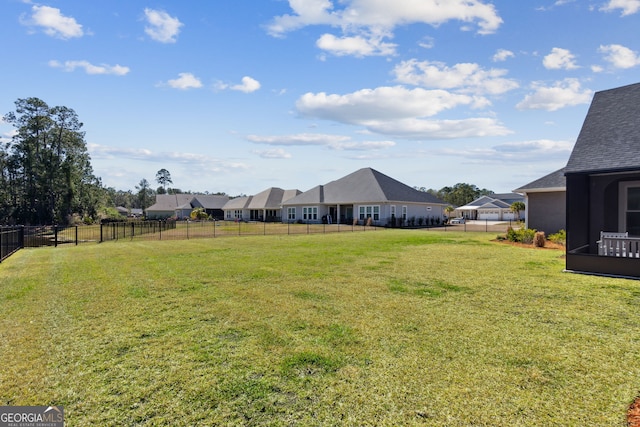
{"x":271,"y":198}
{"x":238,"y":203}
{"x":610,"y":136}
{"x":361,"y":186}
{"x":553,"y":181}
{"x":169,"y":202}
{"x":210,"y":201}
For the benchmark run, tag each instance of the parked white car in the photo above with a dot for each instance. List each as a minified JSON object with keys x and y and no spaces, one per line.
{"x":457,"y":221}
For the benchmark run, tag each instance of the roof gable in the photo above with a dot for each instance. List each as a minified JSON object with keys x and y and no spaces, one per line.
{"x":610,"y":136}
{"x":170,"y":202}
{"x":361,"y":186}
{"x":271,"y":198}
{"x":210,"y":201}
{"x":554,"y":181}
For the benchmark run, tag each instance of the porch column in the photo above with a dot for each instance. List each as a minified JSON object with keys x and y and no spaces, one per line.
{"x":337,"y":220}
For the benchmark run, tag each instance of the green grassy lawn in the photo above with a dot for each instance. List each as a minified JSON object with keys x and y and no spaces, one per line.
{"x":387,"y":328}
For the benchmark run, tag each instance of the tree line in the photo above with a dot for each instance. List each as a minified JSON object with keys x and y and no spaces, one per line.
{"x":45,"y":170}
{"x":46,"y":175}
{"x":458,"y":195}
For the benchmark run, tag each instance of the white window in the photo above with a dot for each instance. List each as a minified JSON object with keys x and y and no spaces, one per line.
{"x":393,"y":210}
{"x":629,"y":212}
{"x":369,"y":212}
{"x":291,"y":213}
{"x":310,"y":213}
{"x":404,"y":212}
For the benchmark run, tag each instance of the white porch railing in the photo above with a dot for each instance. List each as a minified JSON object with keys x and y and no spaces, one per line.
{"x":618,"y":245}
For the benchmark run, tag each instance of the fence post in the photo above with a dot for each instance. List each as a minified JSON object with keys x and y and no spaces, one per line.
{"x":55,"y":236}
{"x":159,"y":228}
{"x":76,"y":235}
{"x":486,"y":225}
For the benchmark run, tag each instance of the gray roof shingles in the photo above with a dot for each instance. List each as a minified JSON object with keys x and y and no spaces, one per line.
{"x":554,"y":180}
{"x":362,"y":186}
{"x":610,"y":136}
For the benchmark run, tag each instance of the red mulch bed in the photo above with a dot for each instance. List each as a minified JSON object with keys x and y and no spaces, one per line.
{"x":633,"y":413}
{"x":548,"y":245}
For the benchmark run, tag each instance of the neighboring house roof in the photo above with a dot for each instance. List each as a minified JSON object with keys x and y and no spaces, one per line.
{"x":361,"y":186}
{"x":508,"y":198}
{"x":238,"y":203}
{"x":271,"y":198}
{"x":170,"y":202}
{"x":610,"y":136}
{"x":555,"y":181}
{"x":502,"y":201}
{"x":209,"y":201}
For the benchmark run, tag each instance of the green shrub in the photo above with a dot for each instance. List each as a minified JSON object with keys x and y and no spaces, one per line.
{"x":560,"y":237}
{"x":523,"y":235}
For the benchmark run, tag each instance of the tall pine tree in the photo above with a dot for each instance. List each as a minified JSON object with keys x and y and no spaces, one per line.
{"x":46,"y":166}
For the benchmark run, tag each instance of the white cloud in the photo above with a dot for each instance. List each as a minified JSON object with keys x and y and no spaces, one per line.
{"x":335,"y":142}
{"x":629,"y":7}
{"x":466,"y":77}
{"x":565,"y":93}
{"x":382,"y":103}
{"x":162,"y":27}
{"x":560,"y":59}
{"x":502,"y":55}
{"x":427,"y":42}
{"x":365,"y":23}
{"x":620,"y":56}
{"x":275,"y":153}
{"x":89,"y":68}
{"x":185,"y":81}
{"x":358,"y":46}
{"x":417,"y":128}
{"x":385,"y":14}
{"x":98,"y":151}
{"x":400,"y":112}
{"x":525,"y":151}
{"x":248,"y":85}
{"x":54,"y":23}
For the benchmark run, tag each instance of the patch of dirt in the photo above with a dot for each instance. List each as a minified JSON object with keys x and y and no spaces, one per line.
{"x":548,"y":245}
{"x":633,"y":413}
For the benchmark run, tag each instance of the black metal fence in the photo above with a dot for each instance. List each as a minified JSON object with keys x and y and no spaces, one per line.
{"x":11,"y":240}
{"x":15,"y":238}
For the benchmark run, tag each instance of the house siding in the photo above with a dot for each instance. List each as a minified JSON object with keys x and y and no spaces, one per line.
{"x":547,"y":211}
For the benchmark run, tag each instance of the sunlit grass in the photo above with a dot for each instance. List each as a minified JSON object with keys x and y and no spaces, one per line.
{"x":395,"y":327}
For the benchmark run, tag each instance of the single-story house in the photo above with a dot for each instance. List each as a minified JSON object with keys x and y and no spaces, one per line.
{"x":362,"y":195}
{"x":494,"y":207}
{"x":265,"y":206}
{"x":130,"y":213}
{"x":180,"y":206}
{"x":603,"y":187}
{"x":546,"y":202}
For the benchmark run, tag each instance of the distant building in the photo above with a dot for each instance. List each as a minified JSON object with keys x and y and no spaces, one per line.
{"x":493,"y":207}
{"x":180,"y":206}
{"x":546,"y":202}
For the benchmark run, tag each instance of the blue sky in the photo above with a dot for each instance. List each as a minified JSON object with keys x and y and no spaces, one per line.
{"x":241,"y":95}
